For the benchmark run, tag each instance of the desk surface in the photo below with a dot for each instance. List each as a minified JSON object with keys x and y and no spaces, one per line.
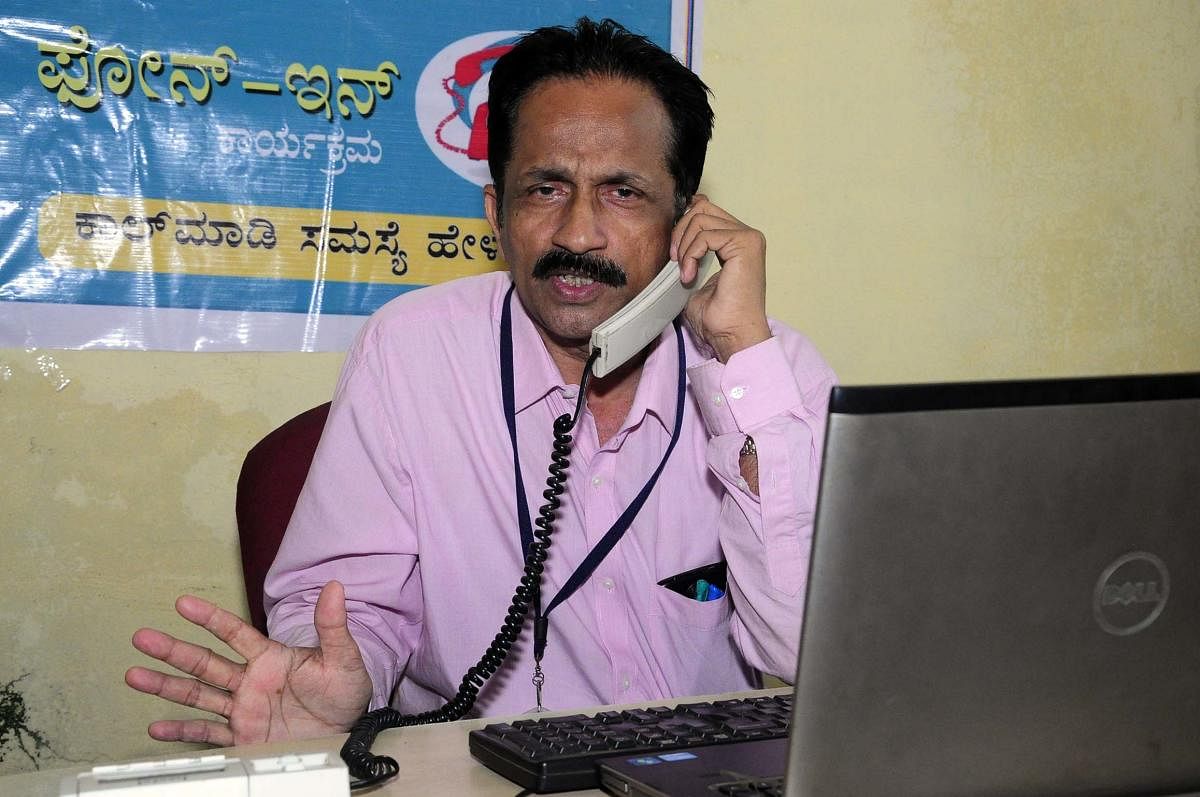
{"x":427,"y":754}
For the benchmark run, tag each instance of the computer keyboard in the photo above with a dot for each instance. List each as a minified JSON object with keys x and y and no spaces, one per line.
{"x":560,"y":753}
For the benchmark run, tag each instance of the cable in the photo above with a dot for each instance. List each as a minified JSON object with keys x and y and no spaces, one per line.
{"x":369,"y":769}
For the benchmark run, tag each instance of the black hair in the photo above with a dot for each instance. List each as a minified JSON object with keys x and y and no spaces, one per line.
{"x":602,"y":49}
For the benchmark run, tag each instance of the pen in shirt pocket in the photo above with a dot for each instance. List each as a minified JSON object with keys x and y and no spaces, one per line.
{"x":706,"y":591}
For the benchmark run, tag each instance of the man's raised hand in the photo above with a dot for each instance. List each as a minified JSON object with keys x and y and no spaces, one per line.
{"x":730,"y":312}
{"x":279,"y":692}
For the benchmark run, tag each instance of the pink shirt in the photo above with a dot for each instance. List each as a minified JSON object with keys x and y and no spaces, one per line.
{"x":410,"y":504}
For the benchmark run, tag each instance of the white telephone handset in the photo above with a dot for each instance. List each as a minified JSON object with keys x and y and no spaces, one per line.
{"x":642,"y":320}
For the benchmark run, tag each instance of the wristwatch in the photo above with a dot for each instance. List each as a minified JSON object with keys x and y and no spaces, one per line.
{"x":748,"y":447}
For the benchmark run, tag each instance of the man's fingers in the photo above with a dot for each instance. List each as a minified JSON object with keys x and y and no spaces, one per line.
{"x":702,"y":206}
{"x":225,"y":626}
{"x":695,"y":246}
{"x":701,"y":214}
{"x":196,"y":660}
{"x":338,"y":648}
{"x":700,"y":233}
{"x":184,"y":691}
{"x":204,"y":731}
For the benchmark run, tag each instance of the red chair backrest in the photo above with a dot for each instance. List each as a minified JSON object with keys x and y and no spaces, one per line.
{"x":272,"y":475}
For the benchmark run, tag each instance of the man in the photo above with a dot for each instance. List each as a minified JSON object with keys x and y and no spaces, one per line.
{"x":406,"y":542}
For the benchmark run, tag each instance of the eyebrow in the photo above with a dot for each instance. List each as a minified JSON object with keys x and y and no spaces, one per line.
{"x":549,"y":174}
{"x":557,"y":175}
{"x":632,"y":178}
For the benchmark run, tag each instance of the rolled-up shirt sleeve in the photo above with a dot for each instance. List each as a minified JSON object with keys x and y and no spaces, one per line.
{"x":354,"y":522}
{"x":776,"y":392}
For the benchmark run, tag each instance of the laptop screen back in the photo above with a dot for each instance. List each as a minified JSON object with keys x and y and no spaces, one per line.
{"x":1005,"y":592}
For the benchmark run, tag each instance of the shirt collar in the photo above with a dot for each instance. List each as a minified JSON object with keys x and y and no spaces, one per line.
{"x":657,"y":389}
{"x":534,"y":373}
{"x":536,"y":376}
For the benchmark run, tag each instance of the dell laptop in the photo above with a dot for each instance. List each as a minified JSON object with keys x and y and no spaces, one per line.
{"x":1003,"y":599}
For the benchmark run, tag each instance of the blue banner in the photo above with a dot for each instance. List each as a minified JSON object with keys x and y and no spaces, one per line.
{"x":259,"y":176}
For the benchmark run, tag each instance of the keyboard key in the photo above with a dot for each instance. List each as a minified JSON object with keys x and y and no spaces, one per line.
{"x":707,"y":711}
{"x":560,"y":722}
{"x":746,"y":724}
{"x":638,"y":715}
{"x":501,"y":729}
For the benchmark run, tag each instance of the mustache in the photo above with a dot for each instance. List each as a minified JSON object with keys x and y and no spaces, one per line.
{"x":596,"y":267}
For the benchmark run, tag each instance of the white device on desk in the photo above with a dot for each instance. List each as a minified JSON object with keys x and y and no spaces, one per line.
{"x":304,"y":775}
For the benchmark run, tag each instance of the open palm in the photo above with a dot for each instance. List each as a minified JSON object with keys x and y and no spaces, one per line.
{"x":280,"y":692}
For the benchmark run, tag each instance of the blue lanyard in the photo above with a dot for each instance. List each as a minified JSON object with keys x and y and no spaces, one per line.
{"x":622,"y":524}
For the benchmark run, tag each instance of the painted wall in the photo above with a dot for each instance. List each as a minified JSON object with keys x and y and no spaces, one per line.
{"x":949,"y":190}
{"x":969,"y":189}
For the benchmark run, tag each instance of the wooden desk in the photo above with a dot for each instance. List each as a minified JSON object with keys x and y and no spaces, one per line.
{"x":433,"y":758}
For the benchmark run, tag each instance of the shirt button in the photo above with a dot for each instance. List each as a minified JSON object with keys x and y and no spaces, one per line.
{"x":597,"y":481}
{"x":717,"y":399}
{"x":608,"y":584}
{"x":737,"y":392}
{"x":571,"y":391}
{"x":625,"y":684}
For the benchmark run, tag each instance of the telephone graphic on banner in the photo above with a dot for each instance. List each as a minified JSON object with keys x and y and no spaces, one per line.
{"x":632,"y":327}
{"x":467,"y":72}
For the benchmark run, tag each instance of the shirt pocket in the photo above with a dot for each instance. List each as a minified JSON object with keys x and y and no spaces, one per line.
{"x":677,"y":609}
{"x":696,"y":636}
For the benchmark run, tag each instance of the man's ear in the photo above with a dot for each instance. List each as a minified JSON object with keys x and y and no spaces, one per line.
{"x":491,"y":208}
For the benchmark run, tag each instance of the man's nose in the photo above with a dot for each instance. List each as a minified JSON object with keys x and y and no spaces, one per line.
{"x":581,"y":228}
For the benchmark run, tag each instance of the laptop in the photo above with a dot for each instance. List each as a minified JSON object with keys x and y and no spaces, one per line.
{"x":1003,"y":599}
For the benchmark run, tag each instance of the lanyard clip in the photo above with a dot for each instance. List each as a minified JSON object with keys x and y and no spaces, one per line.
{"x":541,"y":626}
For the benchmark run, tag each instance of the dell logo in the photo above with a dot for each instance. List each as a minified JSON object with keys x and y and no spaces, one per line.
{"x":1131,"y":593}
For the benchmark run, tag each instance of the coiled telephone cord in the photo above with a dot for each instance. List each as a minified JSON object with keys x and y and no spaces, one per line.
{"x":368,"y":769}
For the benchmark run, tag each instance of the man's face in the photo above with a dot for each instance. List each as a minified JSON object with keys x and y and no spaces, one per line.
{"x":587,"y":189}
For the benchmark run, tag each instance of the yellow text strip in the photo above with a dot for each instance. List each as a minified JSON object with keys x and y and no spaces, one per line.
{"x":180,"y":237}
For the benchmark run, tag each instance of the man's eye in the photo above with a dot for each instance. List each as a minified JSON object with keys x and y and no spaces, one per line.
{"x":624,"y":192}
